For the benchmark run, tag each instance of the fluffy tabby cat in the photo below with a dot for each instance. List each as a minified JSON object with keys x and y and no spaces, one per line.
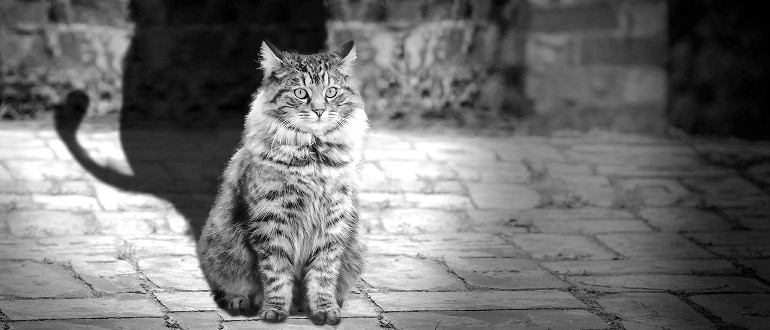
{"x":283,"y":231}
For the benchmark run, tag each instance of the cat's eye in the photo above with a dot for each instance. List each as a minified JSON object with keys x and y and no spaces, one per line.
{"x":331,"y":92}
{"x":300,"y":93}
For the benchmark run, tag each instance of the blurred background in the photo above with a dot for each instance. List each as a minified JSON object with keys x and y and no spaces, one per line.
{"x":528,"y":66}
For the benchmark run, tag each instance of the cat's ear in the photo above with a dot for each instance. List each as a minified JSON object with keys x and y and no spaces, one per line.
{"x":347,"y":52}
{"x":271,"y":58}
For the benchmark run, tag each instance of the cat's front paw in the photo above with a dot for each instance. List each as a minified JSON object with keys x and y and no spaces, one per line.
{"x":273,"y":315}
{"x":330,"y":316}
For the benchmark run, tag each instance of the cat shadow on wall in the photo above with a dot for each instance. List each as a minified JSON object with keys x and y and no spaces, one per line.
{"x":188,"y":75}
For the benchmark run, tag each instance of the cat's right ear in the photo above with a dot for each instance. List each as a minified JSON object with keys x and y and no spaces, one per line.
{"x":271,"y":58}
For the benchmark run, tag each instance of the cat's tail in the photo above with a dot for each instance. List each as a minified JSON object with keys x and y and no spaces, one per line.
{"x":68,"y":117}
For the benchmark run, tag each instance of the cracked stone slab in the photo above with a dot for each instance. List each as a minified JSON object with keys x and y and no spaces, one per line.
{"x":404,"y":273}
{"x":747,"y":310}
{"x":504,"y":273}
{"x":561,"y":247}
{"x":112,"y":307}
{"x":39,"y":223}
{"x":509,"y":320}
{"x":652,"y":282}
{"x":503,"y":196}
{"x":643,"y":266}
{"x":93,"y":324}
{"x":298,"y":324}
{"x":654,"y":311}
{"x":28,"y":279}
{"x":590,"y":226}
{"x":678,"y":219}
{"x":197,"y":320}
{"x":487,"y":300}
{"x":176,"y":272}
{"x":653,"y":245}
{"x":420,"y":221}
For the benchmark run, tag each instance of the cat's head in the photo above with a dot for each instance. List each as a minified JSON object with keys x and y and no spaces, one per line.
{"x":310,"y":93}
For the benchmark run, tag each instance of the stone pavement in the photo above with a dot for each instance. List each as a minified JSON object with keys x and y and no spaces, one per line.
{"x":594,"y":231}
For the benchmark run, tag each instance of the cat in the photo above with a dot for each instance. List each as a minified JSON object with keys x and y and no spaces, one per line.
{"x":283,"y":231}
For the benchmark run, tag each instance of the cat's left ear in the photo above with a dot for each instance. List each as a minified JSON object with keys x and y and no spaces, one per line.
{"x":347,"y":52}
{"x":272,"y":58}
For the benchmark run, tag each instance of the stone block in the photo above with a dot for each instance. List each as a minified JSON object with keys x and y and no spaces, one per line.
{"x":421,"y":221}
{"x":657,"y":310}
{"x":596,"y":16}
{"x":137,"y":323}
{"x":486,"y":300}
{"x":653,"y":245}
{"x":745,"y":310}
{"x":404,"y":274}
{"x":503,"y":273}
{"x":121,"y":306}
{"x":561,"y":247}
{"x":36,"y":280}
{"x":673,"y":219}
{"x":682,"y":283}
{"x":30,"y":224}
{"x":527,"y":319}
{"x":622,"y":51}
{"x":503,"y":196}
{"x":643,"y":266}
{"x":174,"y":272}
{"x":590,"y":227}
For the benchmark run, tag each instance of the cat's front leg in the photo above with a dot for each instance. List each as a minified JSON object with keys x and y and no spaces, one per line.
{"x":275,"y":272}
{"x":321,"y":281}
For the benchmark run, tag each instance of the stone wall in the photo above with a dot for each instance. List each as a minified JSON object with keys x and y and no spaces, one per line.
{"x":597,"y":63}
{"x":434,"y":59}
{"x":49,"y":48}
{"x":467,"y":62}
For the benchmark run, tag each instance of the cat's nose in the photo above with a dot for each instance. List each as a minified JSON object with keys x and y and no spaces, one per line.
{"x":318,"y":112}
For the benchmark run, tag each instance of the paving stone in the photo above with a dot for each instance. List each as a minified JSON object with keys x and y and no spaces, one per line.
{"x":111,"y":307}
{"x":23,"y":186}
{"x":15,"y":202}
{"x":677,"y":219}
{"x":631,"y":154}
{"x":382,"y":200}
{"x":26,"y":153}
{"x":653,"y":245}
{"x":653,"y":311}
{"x":447,"y":187}
{"x":585,"y":213}
{"x":5,"y":176}
{"x":561,"y":247}
{"x":659,"y":192}
{"x":503,"y":196}
{"x":747,"y":310}
{"x":760,"y":266}
{"x":643,"y":266}
{"x":413,"y":170}
{"x":40,"y":170}
{"x":442,"y":245}
{"x":130,"y":224}
{"x":594,"y":190}
{"x":533,"y":152}
{"x":197,"y":320}
{"x":590,"y":227}
{"x":187,"y":301}
{"x":477,"y":300}
{"x":28,"y":279}
{"x":391,"y":154}
{"x":630,"y":170}
{"x":158,"y":246}
{"x":66,"y":202}
{"x":732,"y":238}
{"x":503,"y":273}
{"x":439,"y":201}
{"x":175,"y":272}
{"x":490,"y":171}
{"x":30,"y":224}
{"x":752,"y":218}
{"x":404,"y":274}
{"x":414,"y":221}
{"x":116,"y":276}
{"x":451,"y":152}
{"x":514,"y":320}
{"x":686,"y":283}
{"x":202,"y":301}
{"x":731,"y":191}
{"x":93,"y":324}
{"x":292,"y":323}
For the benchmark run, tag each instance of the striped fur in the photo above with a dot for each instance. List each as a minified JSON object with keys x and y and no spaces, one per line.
{"x":283,"y":231}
